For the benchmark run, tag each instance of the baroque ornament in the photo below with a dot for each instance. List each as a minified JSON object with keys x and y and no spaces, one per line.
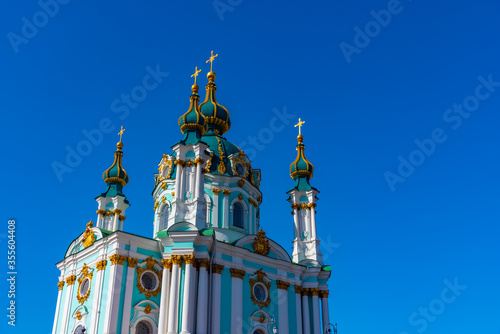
{"x":88,"y":236}
{"x":262,"y":279}
{"x":150,"y":268}
{"x":261,"y":244}
{"x":86,"y":276}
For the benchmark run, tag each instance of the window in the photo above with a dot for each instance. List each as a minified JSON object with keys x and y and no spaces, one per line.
{"x":238,"y":215}
{"x":258,"y":331}
{"x":149,"y":281}
{"x":84,"y":287}
{"x":143,"y":327}
{"x":164,"y":217}
{"x":260,"y":292}
{"x":79,"y":330}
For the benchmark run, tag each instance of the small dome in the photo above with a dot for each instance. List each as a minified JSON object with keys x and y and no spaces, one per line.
{"x":193,"y":119}
{"x":301,"y":166}
{"x":216,"y":115}
{"x":116,"y":173}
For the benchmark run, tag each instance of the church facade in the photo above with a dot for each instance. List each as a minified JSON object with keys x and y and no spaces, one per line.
{"x":208,"y":267}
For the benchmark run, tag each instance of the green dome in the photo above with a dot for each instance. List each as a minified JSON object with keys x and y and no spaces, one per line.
{"x":301,"y":166}
{"x":116,"y":173}
{"x":193,"y":119}
{"x":216,"y":116}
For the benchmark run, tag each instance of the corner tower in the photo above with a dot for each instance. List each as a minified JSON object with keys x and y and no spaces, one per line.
{"x":303,"y":199}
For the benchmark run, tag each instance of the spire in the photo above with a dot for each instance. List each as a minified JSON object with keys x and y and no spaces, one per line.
{"x":301,"y":170}
{"x":115,"y":176}
{"x":216,"y":116}
{"x":193,"y":121}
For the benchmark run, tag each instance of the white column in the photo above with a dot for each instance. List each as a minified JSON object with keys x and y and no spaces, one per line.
{"x":59,"y":294}
{"x":67,"y":305}
{"x":96,"y":305}
{"x":216,"y":294}
{"x":305,"y":312}
{"x":114,"y":291}
{"x":313,"y":222}
{"x":202,"y":314}
{"x":283,"y":306}
{"x":178,"y":173}
{"x":115,"y":220}
{"x":187,"y":307}
{"x":316,"y":313}
{"x":324,"y":308}
{"x":165,"y":283}
{"x":236,"y":304}
{"x":201,"y":183}
{"x":225,"y":212}
{"x":129,"y":287}
{"x":298,"y":308}
{"x":251,"y":224}
{"x":296,"y":224}
{"x":182,"y":186}
{"x":173,"y":303}
{"x":215,"y":209}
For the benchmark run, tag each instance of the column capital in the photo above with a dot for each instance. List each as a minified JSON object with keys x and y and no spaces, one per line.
{"x":71,"y":280}
{"x":314,"y":291}
{"x":283,"y":285}
{"x":305,"y":292}
{"x":101,"y":212}
{"x":131,"y":262}
{"x":60,"y":285}
{"x":237,"y":273}
{"x":226,"y":192}
{"x":298,"y":289}
{"x":296,"y":206}
{"x":177,"y":259}
{"x":324,"y":293}
{"x":216,"y":191}
{"x":202,"y":263}
{"x":189,"y":259}
{"x":217,"y":268}
{"x":101,"y":265}
{"x":167,"y":263}
{"x":117,"y":259}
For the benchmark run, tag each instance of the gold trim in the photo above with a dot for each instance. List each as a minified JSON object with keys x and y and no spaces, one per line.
{"x":226,"y":192}
{"x":298,"y":289}
{"x":260,"y":279}
{"x":88,"y":237}
{"x":87,"y":274}
{"x":147,"y":309}
{"x":222,"y":166}
{"x":217,"y":268}
{"x":78,"y":315}
{"x":117,"y":211}
{"x":241,"y":183}
{"x":101,"y":265}
{"x":238,"y":273}
{"x":215,"y":191}
{"x":240,"y":197}
{"x":71,"y":280}
{"x":131,"y":262}
{"x":150,"y":266}
{"x":283,"y":285}
{"x":177,"y":259}
{"x":60,"y":285}
{"x":203,"y":263}
{"x":121,"y":218}
{"x":323,"y":293}
{"x":314,"y":291}
{"x":167,"y":263}
{"x":101,"y":212}
{"x":117,"y":259}
{"x":304,"y":292}
{"x":296,"y":206}
{"x":164,"y":185}
{"x":189,"y":259}
{"x":261,"y":244}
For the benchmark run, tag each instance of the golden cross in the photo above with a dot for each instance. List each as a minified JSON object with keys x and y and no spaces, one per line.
{"x":211,"y":60}
{"x":120,"y":133}
{"x":299,"y":124}
{"x":195,"y":74}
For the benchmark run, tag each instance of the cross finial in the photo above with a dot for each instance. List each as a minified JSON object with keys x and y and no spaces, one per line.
{"x":211,"y":60}
{"x":195,"y":74}
{"x":121,"y":133}
{"x":299,"y":124}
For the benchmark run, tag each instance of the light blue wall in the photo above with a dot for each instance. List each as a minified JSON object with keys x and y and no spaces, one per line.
{"x":122,"y":298}
{"x":248,"y":306}
{"x":61,"y":308}
{"x":104,"y":298}
{"x":225,"y":308}
{"x":292,"y":310}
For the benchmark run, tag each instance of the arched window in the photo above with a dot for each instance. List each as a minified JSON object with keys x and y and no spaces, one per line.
{"x":164,"y":217}
{"x":238,"y":215}
{"x":143,"y":327}
{"x":79,"y":330}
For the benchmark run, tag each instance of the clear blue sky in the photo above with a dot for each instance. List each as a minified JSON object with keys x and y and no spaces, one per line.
{"x":368,"y":92}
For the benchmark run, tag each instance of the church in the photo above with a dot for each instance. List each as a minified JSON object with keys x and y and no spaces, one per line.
{"x":207,"y":266}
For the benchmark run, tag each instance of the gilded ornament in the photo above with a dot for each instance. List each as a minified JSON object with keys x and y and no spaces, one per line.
{"x":101,"y":265}
{"x":217,"y":268}
{"x":189,"y":163}
{"x":305,"y":292}
{"x":121,"y":218}
{"x":131,"y":262}
{"x":296,"y":206}
{"x":117,"y":211}
{"x":261,"y":278}
{"x":177,"y":259}
{"x":304,"y":206}
{"x":199,"y":161}
{"x":283,"y":285}
{"x":163,"y":199}
{"x":222,"y":167}
{"x":298,"y":289}
{"x":60,"y":285}
{"x":323,"y":293}
{"x":164,"y":185}
{"x":101,"y":212}
{"x":78,"y":315}
{"x":167,"y":263}
{"x":240,"y":160}
{"x":238,"y":273}
{"x":262,"y":318}
{"x":240,"y":197}
{"x":86,"y":273}
{"x":203,"y":263}
{"x":88,"y":236}
{"x":314,"y":291}
{"x":216,"y":191}
{"x":189,"y":259}
{"x":173,"y":194}
{"x":241,"y":183}
{"x":226,"y":192}
{"x":71,"y":280}
{"x":311,"y":205}
{"x":147,"y":309}
{"x":150,"y":267}
{"x":209,"y":163}
{"x":261,"y":244}
{"x":117,"y":259}
{"x":156,"y":206}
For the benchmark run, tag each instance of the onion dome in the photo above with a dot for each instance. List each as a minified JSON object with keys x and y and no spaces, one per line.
{"x":216,"y":116}
{"x":301,"y":170}
{"x":116,"y":174}
{"x":193,"y":120}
